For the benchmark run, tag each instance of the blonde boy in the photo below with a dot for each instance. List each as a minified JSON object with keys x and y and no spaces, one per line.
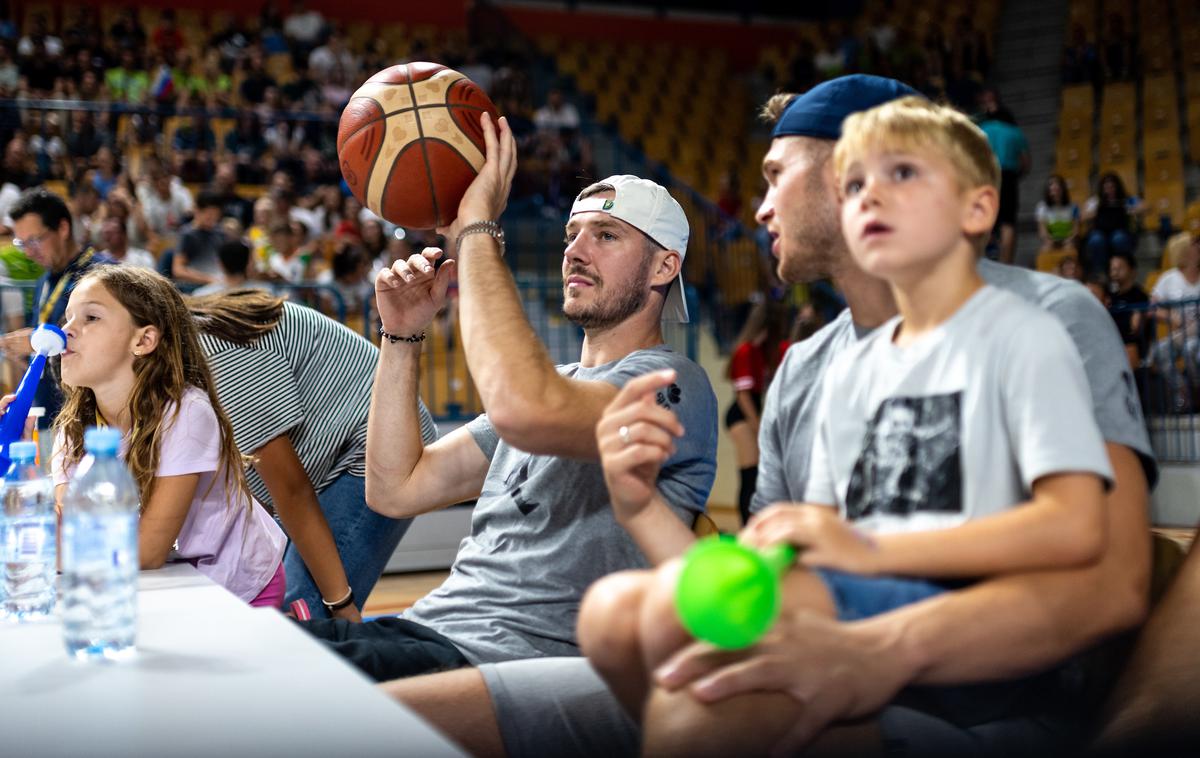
{"x":956,"y":441}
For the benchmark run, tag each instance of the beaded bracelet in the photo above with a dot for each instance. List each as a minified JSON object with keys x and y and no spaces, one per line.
{"x":394,"y":338}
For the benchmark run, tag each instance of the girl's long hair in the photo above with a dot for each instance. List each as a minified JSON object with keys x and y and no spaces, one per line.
{"x":237,"y":316}
{"x":160,"y":378}
{"x":1063,"y":201}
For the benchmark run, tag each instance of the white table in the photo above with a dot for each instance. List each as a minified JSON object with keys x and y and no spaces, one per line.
{"x":212,"y":677}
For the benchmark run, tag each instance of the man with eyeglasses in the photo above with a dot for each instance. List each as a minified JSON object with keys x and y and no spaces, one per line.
{"x":42,"y":230}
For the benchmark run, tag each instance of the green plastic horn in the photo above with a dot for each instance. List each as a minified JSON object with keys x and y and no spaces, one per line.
{"x":728,"y":593}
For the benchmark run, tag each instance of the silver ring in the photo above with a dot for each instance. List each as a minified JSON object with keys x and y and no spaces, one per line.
{"x":623,"y":433}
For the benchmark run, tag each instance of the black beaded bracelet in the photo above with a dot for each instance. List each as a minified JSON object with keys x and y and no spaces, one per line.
{"x":394,"y":338}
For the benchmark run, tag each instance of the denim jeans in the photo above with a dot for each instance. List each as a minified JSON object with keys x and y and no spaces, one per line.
{"x":1101,"y":247}
{"x":858,"y":597}
{"x":365,"y":541}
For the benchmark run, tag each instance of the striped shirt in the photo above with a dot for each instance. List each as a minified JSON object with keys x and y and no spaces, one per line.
{"x":309,"y":378}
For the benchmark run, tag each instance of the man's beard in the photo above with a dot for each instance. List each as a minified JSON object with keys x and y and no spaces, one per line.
{"x":611,"y":309}
{"x":816,"y":243}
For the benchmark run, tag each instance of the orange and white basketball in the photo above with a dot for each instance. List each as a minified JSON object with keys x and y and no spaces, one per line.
{"x":410,"y":142}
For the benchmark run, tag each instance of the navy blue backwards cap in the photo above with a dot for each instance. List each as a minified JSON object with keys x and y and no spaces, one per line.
{"x":820,"y":111}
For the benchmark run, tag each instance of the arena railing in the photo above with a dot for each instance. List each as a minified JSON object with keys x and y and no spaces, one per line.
{"x":1165,"y":356}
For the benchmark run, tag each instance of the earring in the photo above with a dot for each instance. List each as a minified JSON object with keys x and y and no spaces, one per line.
{"x":137,"y":353}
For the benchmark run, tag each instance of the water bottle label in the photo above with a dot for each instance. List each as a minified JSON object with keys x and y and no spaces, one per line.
{"x":110,"y":541}
{"x":29,"y":541}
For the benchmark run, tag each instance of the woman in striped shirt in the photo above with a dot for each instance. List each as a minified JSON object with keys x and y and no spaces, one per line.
{"x":297,"y":386}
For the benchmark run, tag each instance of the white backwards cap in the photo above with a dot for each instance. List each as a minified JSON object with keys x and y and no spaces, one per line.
{"x":650,"y":209}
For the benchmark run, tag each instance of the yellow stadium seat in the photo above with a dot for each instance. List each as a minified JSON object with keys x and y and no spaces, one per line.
{"x":58,"y":187}
{"x":170,"y":125}
{"x":34,"y":9}
{"x":1079,"y":97}
{"x":1164,"y":200}
{"x":1148,"y":285}
{"x":1161,"y":88}
{"x":1078,"y":183}
{"x":1075,"y":125}
{"x":358,"y":34}
{"x":1049,"y":258}
{"x":1163,"y":162}
{"x":252,"y":191}
{"x":279,"y":66}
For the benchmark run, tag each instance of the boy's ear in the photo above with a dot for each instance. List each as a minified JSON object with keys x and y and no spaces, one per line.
{"x":147,"y":340}
{"x":980,"y":211}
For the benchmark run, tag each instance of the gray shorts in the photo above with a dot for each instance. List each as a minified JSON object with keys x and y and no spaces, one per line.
{"x":561,"y":707}
{"x":558,"y":706}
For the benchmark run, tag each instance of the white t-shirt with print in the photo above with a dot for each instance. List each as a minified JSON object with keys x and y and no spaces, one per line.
{"x":957,"y":425}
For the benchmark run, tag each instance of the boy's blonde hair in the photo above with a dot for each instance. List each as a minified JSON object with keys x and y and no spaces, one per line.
{"x":916,"y":124}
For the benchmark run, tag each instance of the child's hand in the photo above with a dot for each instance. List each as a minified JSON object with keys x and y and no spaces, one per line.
{"x":350,"y":613}
{"x":635,"y":437}
{"x":825,"y":539}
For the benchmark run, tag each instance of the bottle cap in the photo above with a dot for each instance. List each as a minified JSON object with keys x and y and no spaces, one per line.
{"x":101,"y":440}
{"x":22,"y":452}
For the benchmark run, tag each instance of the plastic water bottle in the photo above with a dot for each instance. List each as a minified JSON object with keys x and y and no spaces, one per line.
{"x":100,"y":556}
{"x":29,"y":539}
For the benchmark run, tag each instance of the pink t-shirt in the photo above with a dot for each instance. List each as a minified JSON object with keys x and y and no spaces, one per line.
{"x":236,"y":547}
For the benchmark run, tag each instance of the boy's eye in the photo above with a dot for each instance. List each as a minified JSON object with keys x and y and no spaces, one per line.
{"x":903,"y":171}
{"x":852,"y":187}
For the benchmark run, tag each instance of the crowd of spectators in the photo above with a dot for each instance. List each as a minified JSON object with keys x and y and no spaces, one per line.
{"x":170,"y":142}
{"x":947,"y":67}
{"x":1114,"y":58}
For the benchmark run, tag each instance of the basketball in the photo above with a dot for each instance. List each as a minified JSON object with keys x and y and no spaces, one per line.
{"x":410,"y":142}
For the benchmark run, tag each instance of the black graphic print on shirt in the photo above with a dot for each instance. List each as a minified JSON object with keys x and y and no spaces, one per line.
{"x":669,"y":396}
{"x":515,"y":486}
{"x":910,"y":459}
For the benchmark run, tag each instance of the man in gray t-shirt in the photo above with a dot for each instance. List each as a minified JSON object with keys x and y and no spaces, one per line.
{"x":543,"y":531}
{"x":543,"y":528}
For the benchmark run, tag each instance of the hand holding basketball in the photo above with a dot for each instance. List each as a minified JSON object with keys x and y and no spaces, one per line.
{"x":410,"y":142}
{"x":410,"y":292}
{"x":487,"y":196}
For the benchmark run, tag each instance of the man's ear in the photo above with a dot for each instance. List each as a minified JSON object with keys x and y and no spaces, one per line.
{"x":667,"y":269}
{"x":980,"y":211}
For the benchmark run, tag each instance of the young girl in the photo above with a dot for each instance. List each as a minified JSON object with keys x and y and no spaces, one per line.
{"x":760,"y":347}
{"x":1057,"y":216}
{"x":134,"y":362}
